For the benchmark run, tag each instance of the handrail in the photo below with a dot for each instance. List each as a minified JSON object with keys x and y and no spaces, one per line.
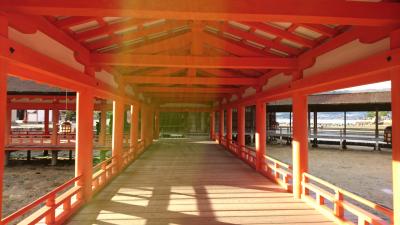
{"x":341,"y":204}
{"x":37,"y":202}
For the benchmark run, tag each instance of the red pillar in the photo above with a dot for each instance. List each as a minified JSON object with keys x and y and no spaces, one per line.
{"x":221,"y":125}
{"x":144,"y":124}
{"x":261,"y":125}
{"x":118,"y":132}
{"x":228,"y":126}
{"x":395,"y":43}
{"x":156,"y":124}
{"x":300,"y":143}
{"x":8,"y":129}
{"x":54,"y":134}
{"x":3,"y":112}
{"x":103,"y":127}
{"x":212,"y":125}
{"x":134,"y":125}
{"x":84,"y":141}
{"x":46,"y":121}
{"x":241,"y":125}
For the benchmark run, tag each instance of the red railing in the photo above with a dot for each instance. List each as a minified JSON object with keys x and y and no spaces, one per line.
{"x":279,"y":172}
{"x":342,"y":205}
{"x":59,"y":205}
{"x":103,"y":173}
{"x":334,"y":202}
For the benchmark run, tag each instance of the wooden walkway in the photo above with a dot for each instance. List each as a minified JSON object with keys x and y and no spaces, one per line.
{"x":193,"y":182}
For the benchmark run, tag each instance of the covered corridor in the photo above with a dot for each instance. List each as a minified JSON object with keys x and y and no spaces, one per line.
{"x":194,"y":181}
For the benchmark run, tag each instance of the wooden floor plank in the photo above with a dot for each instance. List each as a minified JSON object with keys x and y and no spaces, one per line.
{"x":193,"y":182}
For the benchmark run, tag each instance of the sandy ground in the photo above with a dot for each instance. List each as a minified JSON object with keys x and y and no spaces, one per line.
{"x":366,"y":173}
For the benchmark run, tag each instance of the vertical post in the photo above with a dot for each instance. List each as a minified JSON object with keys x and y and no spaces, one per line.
{"x":118,"y":129}
{"x":84,"y":141}
{"x":300,"y":143}
{"x":221,"y":125}
{"x":376,"y":130}
{"x":143,"y":124}
{"x":103,"y":127}
{"x":344,"y":146}
{"x":396,"y":145}
{"x":241,"y":126}
{"x":315,"y":118}
{"x":8,"y":128}
{"x":228,"y":127}
{"x":3,"y":109}
{"x":212,"y":125}
{"x":261,"y":123}
{"x":54,"y":133}
{"x":156,"y":124}
{"x":46,"y":121}
{"x":134,"y":126}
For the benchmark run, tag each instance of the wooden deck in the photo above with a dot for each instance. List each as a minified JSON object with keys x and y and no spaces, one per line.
{"x":193,"y":182}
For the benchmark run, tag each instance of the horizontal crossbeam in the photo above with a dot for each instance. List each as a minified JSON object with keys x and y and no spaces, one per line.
{"x":193,"y":61}
{"x":310,"y":11}
{"x":190,"y":80}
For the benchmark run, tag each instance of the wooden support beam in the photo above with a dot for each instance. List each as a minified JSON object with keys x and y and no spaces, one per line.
{"x":135,"y":109}
{"x":193,"y":61}
{"x":395,"y":74}
{"x":241,"y":125}
{"x":3,"y":116}
{"x":221,"y":125}
{"x":261,"y":136}
{"x":212,"y":125}
{"x":190,"y":80}
{"x":228,"y":126}
{"x":300,"y":141}
{"x":117,"y":135}
{"x":73,"y":21}
{"x":84,"y":142}
{"x":187,"y":89}
{"x":310,"y":11}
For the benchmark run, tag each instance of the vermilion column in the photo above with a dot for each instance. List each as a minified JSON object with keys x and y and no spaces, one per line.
{"x":118,"y":131}
{"x":46,"y":121}
{"x":228,"y":126}
{"x":300,"y":143}
{"x":134,"y":125}
{"x":156,"y":124}
{"x":221,"y":125}
{"x":84,"y":141}
{"x":241,"y":125}
{"x":212,"y":125}
{"x":103,"y":127}
{"x":261,"y":125}
{"x":395,"y":44}
{"x":8,"y":129}
{"x":396,"y":145}
{"x":54,"y":134}
{"x":144,"y":124}
{"x":3,"y":112}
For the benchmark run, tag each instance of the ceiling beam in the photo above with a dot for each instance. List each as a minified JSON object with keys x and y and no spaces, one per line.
{"x":190,"y":80}
{"x":310,"y":11}
{"x":193,"y":61}
{"x":186,"y":90}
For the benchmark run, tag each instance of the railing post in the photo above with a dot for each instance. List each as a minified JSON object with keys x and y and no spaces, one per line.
{"x":118,"y":129}
{"x":300,"y":142}
{"x":51,"y":216}
{"x":54,"y":133}
{"x":338,"y":204}
{"x":84,"y":142}
{"x":261,"y":125}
